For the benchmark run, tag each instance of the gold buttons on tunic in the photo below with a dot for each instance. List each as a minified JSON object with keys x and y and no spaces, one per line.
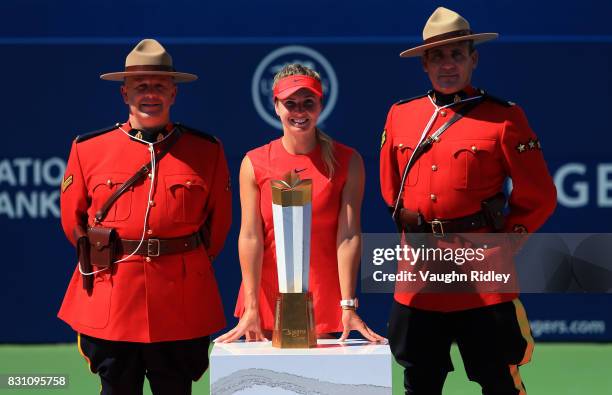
{"x":149,"y":231}
{"x":151,"y":203}
{"x":433,"y":197}
{"x":400,"y":145}
{"x":434,"y":168}
{"x":148,"y":259}
{"x":474,"y":148}
{"x":188,"y":182}
{"x":443,"y":113}
{"x":109,"y":182}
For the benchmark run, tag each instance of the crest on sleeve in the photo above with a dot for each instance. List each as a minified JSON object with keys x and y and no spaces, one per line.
{"x":66,"y":183}
{"x":518,"y":228}
{"x":383,"y":138}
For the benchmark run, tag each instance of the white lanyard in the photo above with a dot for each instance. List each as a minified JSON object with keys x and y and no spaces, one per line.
{"x":150,"y":196}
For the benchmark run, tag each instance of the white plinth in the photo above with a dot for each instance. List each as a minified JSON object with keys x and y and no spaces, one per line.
{"x":354,"y":367}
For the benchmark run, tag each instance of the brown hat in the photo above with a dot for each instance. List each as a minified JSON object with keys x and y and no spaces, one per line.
{"x":444,"y":27}
{"x":149,"y":58}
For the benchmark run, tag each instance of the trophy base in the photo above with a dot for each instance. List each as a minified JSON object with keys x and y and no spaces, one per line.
{"x":294,"y":325}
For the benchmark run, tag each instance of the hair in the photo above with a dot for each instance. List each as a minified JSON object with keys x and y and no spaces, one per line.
{"x":327,"y":143}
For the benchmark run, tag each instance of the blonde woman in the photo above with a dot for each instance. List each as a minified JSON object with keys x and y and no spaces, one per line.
{"x":337,"y":175}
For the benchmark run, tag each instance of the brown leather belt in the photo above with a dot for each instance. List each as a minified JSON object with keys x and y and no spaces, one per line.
{"x":414,"y":222}
{"x":157,"y":247}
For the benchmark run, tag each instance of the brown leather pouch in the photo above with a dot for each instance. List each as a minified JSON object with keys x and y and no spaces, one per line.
{"x":101,"y":245}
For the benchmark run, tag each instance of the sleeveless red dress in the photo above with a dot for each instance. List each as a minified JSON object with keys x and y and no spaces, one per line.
{"x":271,"y":162}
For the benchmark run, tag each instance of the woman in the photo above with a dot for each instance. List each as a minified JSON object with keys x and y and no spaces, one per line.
{"x":337,"y":175}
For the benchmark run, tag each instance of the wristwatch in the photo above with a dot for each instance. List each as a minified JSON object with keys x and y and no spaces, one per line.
{"x":349,"y":304}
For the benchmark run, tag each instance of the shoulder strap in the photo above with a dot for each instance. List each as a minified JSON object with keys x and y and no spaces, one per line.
{"x":198,"y":133}
{"x":142,"y":172}
{"x":428,"y":142}
{"x":404,"y":101}
{"x":84,"y":137}
{"x":497,"y":100}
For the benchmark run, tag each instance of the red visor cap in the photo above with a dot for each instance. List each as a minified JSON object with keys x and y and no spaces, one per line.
{"x":287,"y":86}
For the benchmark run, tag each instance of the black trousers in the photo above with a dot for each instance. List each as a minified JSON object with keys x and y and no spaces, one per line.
{"x":493,"y":342}
{"x":170,"y":367}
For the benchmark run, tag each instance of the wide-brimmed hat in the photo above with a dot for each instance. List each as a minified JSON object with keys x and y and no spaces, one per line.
{"x":149,"y":57}
{"x":443,"y":27}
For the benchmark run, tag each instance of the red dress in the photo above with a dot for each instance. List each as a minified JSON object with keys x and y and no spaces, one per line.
{"x":270,"y":162}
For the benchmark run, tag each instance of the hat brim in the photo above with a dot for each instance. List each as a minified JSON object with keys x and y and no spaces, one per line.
{"x":178,"y":76}
{"x":477,"y":38}
{"x":282,"y":95}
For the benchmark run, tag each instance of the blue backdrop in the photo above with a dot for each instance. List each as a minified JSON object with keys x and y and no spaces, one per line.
{"x":553,"y":59}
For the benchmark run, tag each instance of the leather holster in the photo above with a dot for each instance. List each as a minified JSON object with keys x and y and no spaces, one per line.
{"x":493,"y":210}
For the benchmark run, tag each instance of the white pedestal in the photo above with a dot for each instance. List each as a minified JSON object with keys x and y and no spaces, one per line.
{"x":354,"y":367}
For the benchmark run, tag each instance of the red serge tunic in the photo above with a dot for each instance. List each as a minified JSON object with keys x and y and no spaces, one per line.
{"x":164,"y":298}
{"x":270,"y":162}
{"x":467,"y":165}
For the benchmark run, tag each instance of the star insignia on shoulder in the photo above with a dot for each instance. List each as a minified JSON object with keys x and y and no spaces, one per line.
{"x":529,"y":145}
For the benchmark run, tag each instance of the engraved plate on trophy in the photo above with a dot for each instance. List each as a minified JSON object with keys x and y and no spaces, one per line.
{"x":292,"y":213}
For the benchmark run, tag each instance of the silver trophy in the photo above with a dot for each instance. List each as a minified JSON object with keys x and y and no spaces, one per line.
{"x":294,"y":325}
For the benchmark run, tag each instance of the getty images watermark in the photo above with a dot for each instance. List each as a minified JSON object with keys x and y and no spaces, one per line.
{"x":412,"y":257}
{"x":486,"y":263}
